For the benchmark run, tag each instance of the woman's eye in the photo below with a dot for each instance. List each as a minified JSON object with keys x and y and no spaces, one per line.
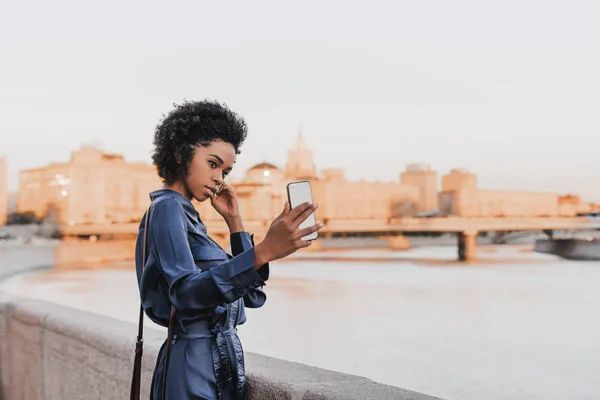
{"x":224,"y":174}
{"x":213,"y":164}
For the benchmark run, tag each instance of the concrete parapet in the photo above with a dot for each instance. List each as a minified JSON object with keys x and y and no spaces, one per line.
{"x":26,"y":337}
{"x":85,"y":354}
{"x":5,"y":355}
{"x":270,"y":379}
{"x":52,"y":352}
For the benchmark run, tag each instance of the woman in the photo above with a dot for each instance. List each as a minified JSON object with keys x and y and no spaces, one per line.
{"x":195,"y":149}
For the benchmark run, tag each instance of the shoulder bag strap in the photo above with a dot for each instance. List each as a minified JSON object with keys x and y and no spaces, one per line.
{"x":139,"y":345}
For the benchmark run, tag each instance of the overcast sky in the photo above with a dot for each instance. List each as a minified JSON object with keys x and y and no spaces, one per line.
{"x":510,"y":90}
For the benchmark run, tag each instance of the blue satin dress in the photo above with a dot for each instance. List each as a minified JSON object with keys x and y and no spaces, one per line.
{"x":209,"y":289}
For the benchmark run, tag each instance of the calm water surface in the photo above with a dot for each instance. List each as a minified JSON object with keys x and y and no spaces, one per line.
{"x":514,"y":325}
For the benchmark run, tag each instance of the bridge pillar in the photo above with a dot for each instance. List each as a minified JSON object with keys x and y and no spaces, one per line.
{"x":549,"y":233}
{"x":467,"y":245}
{"x":399,"y":242}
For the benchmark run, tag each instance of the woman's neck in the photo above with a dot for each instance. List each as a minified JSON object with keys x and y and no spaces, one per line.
{"x":180,"y":188}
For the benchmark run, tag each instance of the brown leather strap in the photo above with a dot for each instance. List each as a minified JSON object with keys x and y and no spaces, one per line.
{"x":139,"y":345}
{"x":168,"y":351}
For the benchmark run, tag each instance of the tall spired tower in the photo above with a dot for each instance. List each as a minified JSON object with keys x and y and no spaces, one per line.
{"x":300,"y":163}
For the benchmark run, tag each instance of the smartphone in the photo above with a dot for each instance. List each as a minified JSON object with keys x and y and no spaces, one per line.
{"x":298,"y":193}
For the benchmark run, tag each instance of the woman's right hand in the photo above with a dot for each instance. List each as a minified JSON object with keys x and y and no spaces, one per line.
{"x":284,"y":236}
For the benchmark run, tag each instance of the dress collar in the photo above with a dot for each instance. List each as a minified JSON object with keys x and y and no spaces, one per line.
{"x":187,"y":205}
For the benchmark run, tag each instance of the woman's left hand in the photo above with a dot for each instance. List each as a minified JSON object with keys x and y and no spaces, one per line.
{"x":225,"y":202}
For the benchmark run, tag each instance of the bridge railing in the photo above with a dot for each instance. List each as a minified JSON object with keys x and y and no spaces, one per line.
{"x":445,"y":224}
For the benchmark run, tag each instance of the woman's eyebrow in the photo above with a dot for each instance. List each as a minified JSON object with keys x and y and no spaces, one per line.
{"x":218,"y":158}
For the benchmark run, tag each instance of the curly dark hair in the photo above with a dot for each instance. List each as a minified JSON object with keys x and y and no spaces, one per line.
{"x":192,"y":124}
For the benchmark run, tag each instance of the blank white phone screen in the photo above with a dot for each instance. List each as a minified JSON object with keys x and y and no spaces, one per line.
{"x":300,"y":192}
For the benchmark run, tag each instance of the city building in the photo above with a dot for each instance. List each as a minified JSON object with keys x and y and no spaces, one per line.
{"x":96,"y":187}
{"x":340,"y":199}
{"x":300,"y":165}
{"x":461,"y":197}
{"x":93,"y":187}
{"x":495,"y":203}
{"x":573,"y":205}
{"x":423,"y":177}
{"x":458,"y":179}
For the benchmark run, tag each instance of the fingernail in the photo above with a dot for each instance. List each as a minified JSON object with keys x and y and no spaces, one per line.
{"x":315,"y":205}
{"x":320,"y":224}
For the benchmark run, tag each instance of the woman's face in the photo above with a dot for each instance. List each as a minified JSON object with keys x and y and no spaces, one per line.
{"x":208,"y":168}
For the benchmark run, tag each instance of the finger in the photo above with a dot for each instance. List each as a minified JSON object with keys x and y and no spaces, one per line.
{"x":286,"y":209}
{"x":300,"y":209}
{"x":223,"y":188}
{"x":302,"y":243}
{"x":304,"y":215}
{"x":309,"y":230}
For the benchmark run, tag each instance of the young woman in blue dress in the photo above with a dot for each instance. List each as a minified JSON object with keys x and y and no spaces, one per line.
{"x":186,"y":278}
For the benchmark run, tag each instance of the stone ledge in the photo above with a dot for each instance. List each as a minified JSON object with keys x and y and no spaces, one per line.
{"x":272,"y":378}
{"x":71,"y":353}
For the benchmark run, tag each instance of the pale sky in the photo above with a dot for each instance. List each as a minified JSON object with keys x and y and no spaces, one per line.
{"x":507,"y":89}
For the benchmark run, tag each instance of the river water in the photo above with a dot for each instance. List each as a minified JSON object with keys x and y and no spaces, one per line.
{"x":513,"y":325}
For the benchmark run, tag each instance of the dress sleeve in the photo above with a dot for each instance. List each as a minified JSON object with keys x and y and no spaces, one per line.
{"x":240,"y":243}
{"x":189,"y":287}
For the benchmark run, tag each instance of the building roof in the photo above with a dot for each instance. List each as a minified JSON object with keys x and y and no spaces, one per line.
{"x":264,"y":165}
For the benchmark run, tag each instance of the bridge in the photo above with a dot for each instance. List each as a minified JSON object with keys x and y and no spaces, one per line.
{"x":466,"y":229}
